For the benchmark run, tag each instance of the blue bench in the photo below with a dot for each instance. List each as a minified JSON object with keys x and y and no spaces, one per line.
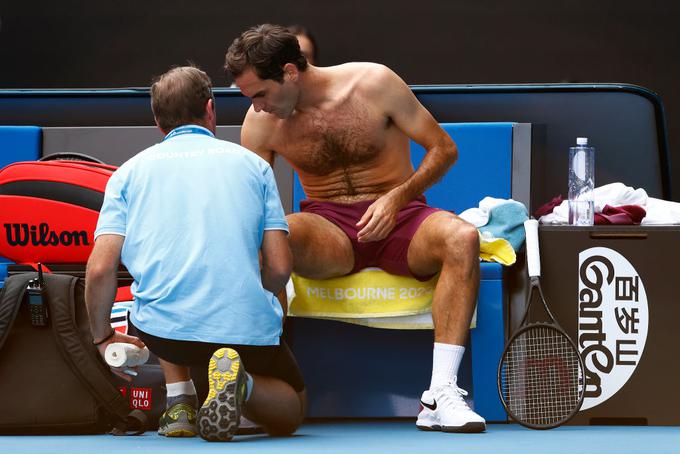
{"x":354,"y":371}
{"x":17,"y":143}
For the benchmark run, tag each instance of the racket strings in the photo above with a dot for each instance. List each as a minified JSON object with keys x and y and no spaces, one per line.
{"x":541,"y":377}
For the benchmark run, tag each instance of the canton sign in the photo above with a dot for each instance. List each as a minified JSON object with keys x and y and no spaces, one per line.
{"x":613,"y":319}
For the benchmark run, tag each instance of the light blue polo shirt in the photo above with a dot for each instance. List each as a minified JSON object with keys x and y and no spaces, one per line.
{"x":193,"y":210}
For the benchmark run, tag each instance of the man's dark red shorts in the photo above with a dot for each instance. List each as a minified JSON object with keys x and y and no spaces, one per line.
{"x":389,"y":254}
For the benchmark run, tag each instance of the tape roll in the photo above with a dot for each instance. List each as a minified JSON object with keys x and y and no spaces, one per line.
{"x":120,"y":354}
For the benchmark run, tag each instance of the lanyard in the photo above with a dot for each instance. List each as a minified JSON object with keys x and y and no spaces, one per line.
{"x":188,"y":130}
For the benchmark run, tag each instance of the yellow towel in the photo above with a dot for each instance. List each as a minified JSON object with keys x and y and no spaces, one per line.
{"x":371,"y":297}
{"x":419,"y":321}
{"x":494,"y":249}
{"x":369,"y":293}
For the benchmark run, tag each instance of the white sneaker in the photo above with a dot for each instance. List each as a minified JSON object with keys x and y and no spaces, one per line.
{"x":445,"y":409}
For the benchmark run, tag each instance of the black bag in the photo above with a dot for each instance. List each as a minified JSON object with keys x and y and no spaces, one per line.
{"x":52,"y":379}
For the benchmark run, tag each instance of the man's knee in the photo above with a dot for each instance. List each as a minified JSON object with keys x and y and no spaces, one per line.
{"x":320,"y":249}
{"x":461,"y":240}
{"x":283,"y":429}
{"x":299,"y":240}
{"x":289,"y":420}
{"x":296,"y":231}
{"x":303,"y":231}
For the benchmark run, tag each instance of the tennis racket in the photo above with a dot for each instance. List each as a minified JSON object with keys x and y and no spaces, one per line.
{"x":540,"y":375}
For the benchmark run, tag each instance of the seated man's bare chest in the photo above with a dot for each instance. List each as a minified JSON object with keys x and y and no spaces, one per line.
{"x":323,"y":141}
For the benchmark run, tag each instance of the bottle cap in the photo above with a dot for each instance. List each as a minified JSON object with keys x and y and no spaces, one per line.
{"x":581,"y":141}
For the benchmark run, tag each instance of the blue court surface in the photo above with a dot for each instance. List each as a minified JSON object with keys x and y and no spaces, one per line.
{"x":371,"y":436}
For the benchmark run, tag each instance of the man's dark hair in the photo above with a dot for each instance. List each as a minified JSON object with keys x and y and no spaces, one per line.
{"x":265,"y":48}
{"x":178,"y":97}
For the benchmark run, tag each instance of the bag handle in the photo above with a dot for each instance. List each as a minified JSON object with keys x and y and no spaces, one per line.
{"x":37,"y":266}
{"x":84,"y":358}
{"x":11,"y":296}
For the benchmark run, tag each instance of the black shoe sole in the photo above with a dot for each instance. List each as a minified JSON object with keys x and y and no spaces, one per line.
{"x":471,"y":427}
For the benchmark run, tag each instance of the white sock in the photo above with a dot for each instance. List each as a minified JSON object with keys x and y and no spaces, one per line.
{"x":181,"y":387}
{"x":445,"y":362}
{"x":249,"y":386}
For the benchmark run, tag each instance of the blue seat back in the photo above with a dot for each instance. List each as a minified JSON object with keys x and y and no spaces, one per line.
{"x":484,"y":167}
{"x":17,"y":143}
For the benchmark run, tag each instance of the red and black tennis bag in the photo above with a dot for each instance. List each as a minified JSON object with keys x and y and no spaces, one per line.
{"x":48,"y":214}
{"x":49,"y":210}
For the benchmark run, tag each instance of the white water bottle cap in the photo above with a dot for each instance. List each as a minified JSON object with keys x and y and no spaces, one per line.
{"x":581,"y":141}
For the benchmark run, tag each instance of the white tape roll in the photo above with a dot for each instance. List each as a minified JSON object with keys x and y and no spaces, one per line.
{"x":120,"y":354}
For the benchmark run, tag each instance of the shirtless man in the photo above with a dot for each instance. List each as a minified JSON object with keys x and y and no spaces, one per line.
{"x":345,"y":129}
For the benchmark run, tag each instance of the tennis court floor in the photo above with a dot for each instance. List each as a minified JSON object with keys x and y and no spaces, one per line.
{"x":374,"y":436}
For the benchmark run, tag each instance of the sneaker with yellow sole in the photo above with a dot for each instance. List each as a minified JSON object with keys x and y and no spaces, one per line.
{"x":178,"y":421}
{"x":219,"y":416}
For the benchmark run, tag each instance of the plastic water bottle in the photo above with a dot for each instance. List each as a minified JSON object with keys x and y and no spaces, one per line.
{"x":581,"y":183}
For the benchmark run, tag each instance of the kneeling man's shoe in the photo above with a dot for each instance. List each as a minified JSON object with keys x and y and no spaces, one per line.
{"x":178,"y":421}
{"x":219,"y":416}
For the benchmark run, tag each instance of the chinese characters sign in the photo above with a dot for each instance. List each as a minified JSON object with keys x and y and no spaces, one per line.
{"x":613,"y":319}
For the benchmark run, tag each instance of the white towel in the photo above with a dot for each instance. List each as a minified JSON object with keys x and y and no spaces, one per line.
{"x":480,"y":216}
{"x":616,"y":194}
{"x":661,"y":212}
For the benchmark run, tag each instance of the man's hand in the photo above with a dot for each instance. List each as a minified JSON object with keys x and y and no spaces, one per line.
{"x":379,"y":219}
{"x":124,"y":338}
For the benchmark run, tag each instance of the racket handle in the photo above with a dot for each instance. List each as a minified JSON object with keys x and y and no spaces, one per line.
{"x":533,"y":257}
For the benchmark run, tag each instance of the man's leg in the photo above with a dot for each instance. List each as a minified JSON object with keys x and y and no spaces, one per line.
{"x":446,"y":243}
{"x":179,"y":418}
{"x":268,"y":401}
{"x":275,"y":405}
{"x":321,"y":250}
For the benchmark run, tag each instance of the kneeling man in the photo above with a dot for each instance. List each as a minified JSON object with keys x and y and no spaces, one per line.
{"x":190,"y":218}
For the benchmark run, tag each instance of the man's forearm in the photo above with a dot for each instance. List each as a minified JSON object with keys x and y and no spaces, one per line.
{"x":437,"y":161}
{"x":274,"y":282}
{"x":277,"y":260}
{"x":100,"y":292}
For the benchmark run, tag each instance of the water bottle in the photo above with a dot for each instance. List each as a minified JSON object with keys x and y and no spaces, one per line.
{"x":581,"y":183}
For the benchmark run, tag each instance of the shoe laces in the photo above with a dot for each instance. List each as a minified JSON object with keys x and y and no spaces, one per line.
{"x":451,"y":394}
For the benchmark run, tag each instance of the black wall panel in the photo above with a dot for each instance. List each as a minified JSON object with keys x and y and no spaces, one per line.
{"x":76,"y":44}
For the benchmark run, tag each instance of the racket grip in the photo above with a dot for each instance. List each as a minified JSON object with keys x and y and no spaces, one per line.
{"x":533,"y":257}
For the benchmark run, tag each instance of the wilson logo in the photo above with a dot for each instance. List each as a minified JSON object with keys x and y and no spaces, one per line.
{"x":41,"y":235}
